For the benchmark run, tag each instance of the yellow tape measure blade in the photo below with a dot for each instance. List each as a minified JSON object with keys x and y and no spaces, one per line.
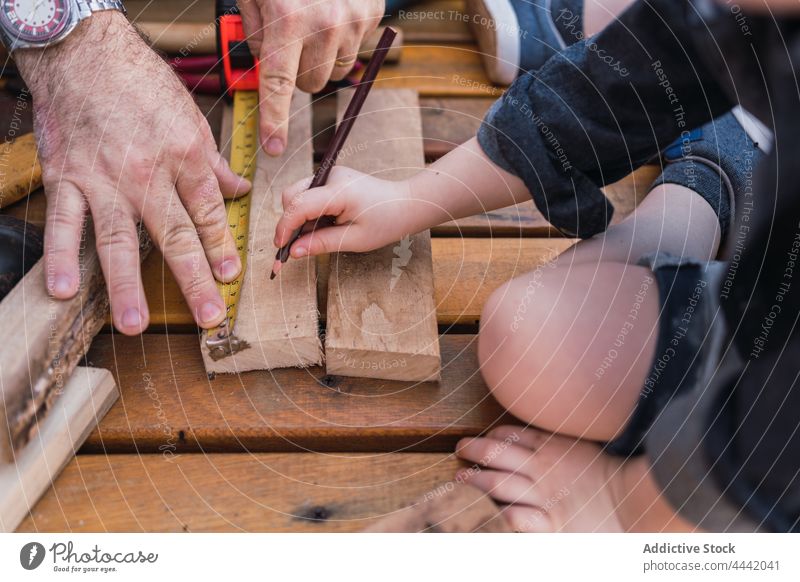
{"x":244,"y":150}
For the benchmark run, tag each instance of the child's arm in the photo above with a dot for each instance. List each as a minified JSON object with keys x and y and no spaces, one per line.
{"x":371,"y":213}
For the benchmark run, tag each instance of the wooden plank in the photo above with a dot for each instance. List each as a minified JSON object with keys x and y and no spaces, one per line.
{"x":269,"y":492}
{"x":438,"y":21}
{"x":51,"y":336}
{"x":381,"y":320}
{"x":277,"y":319}
{"x":20,"y":171}
{"x":169,"y":404}
{"x":451,"y":507}
{"x":465,"y":272}
{"x":446,"y":122}
{"x":438,"y":71}
{"x":87,"y":396}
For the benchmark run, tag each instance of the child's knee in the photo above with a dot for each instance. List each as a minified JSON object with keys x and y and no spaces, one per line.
{"x":512,"y":349}
{"x":507,"y":311}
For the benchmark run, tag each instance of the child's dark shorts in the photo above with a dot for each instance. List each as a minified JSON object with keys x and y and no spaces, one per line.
{"x":690,"y":293}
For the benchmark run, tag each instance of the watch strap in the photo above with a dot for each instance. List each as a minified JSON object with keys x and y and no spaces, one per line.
{"x":87,"y":7}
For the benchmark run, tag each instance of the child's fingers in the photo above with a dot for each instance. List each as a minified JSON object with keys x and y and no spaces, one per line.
{"x":309,"y":206}
{"x":504,"y":487}
{"x":527,"y":519}
{"x":493,"y":453}
{"x":333,"y":239}
{"x":531,"y":438}
{"x":294,"y":190}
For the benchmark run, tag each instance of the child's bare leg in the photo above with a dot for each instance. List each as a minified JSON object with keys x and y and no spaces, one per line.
{"x":671,"y":218}
{"x":568,"y":347}
{"x":597,"y":14}
{"x":550,"y":483}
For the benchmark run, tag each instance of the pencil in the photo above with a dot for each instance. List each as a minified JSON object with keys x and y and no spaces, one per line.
{"x":335,"y":147}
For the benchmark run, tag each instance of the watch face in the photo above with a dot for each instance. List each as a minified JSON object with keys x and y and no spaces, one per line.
{"x":34,"y":20}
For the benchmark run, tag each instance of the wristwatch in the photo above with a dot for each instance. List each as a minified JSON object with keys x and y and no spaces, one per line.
{"x":40,"y":23}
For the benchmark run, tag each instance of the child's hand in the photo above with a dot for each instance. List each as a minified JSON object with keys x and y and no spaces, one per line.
{"x":370,"y":213}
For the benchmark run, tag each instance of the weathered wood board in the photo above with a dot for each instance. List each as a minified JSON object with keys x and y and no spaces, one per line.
{"x":278,"y":319}
{"x":381,"y":316}
{"x":87,"y":396}
{"x":50,"y":337}
{"x":176,"y":408}
{"x":465,"y":272}
{"x":269,"y":492}
{"x":451,"y":507}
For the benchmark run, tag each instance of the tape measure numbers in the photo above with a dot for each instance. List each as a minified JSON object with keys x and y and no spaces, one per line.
{"x":221,"y":340}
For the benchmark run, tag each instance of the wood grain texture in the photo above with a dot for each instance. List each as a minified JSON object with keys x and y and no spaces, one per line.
{"x":267,"y":492}
{"x":449,"y":508}
{"x":465,"y":272}
{"x":20,"y":171}
{"x":86,"y":398}
{"x":169,"y":405}
{"x":381,"y":318}
{"x":446,"y":25}
{"x":446,"y":122}
{"x":50,"y":337}
{"x":278,"y":319}
{"x":438,"y":71}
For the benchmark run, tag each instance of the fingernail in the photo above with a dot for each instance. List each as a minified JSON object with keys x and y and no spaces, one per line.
{"x":210,"y":312}
{"x":131,"y":318}
{"x":274,"y":146}
{"x":62,"y":285}
{"x":228,"y":270}
{"x":300,"y":252}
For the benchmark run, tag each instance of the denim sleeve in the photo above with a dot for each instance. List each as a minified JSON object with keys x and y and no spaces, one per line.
{"x":599,"y":110}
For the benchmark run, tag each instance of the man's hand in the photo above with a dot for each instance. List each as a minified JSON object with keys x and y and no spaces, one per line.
{"x":302,"y":42}
{"x":120,"y":136}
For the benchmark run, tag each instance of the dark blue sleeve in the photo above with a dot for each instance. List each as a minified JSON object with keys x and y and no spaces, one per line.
{"x":599,"y":110}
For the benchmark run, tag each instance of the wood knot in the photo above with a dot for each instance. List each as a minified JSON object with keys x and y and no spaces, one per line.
{"x":329,"y":381}
{"x":315,"y":513}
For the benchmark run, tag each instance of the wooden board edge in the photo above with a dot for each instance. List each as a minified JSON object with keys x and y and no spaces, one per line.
{"x":86,"y":398}
{"x":360,"y":364}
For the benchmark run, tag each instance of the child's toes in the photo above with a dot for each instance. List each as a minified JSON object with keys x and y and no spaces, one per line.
{"x":504,"y":487}
{"x":531,"y":438}
{"x":528,"y":519}
{"x":492,"y":453}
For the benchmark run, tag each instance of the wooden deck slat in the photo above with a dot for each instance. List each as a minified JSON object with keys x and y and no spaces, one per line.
{"x":446,"y":122}
{"x":445,"y":26}
{"x":465,"y":272}
{"x":168,"y":404}
{"x":235,"y":492}
{"x":437,"y":70}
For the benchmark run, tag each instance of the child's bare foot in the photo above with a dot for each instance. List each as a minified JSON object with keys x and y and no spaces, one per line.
{"x":553,"y":483}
